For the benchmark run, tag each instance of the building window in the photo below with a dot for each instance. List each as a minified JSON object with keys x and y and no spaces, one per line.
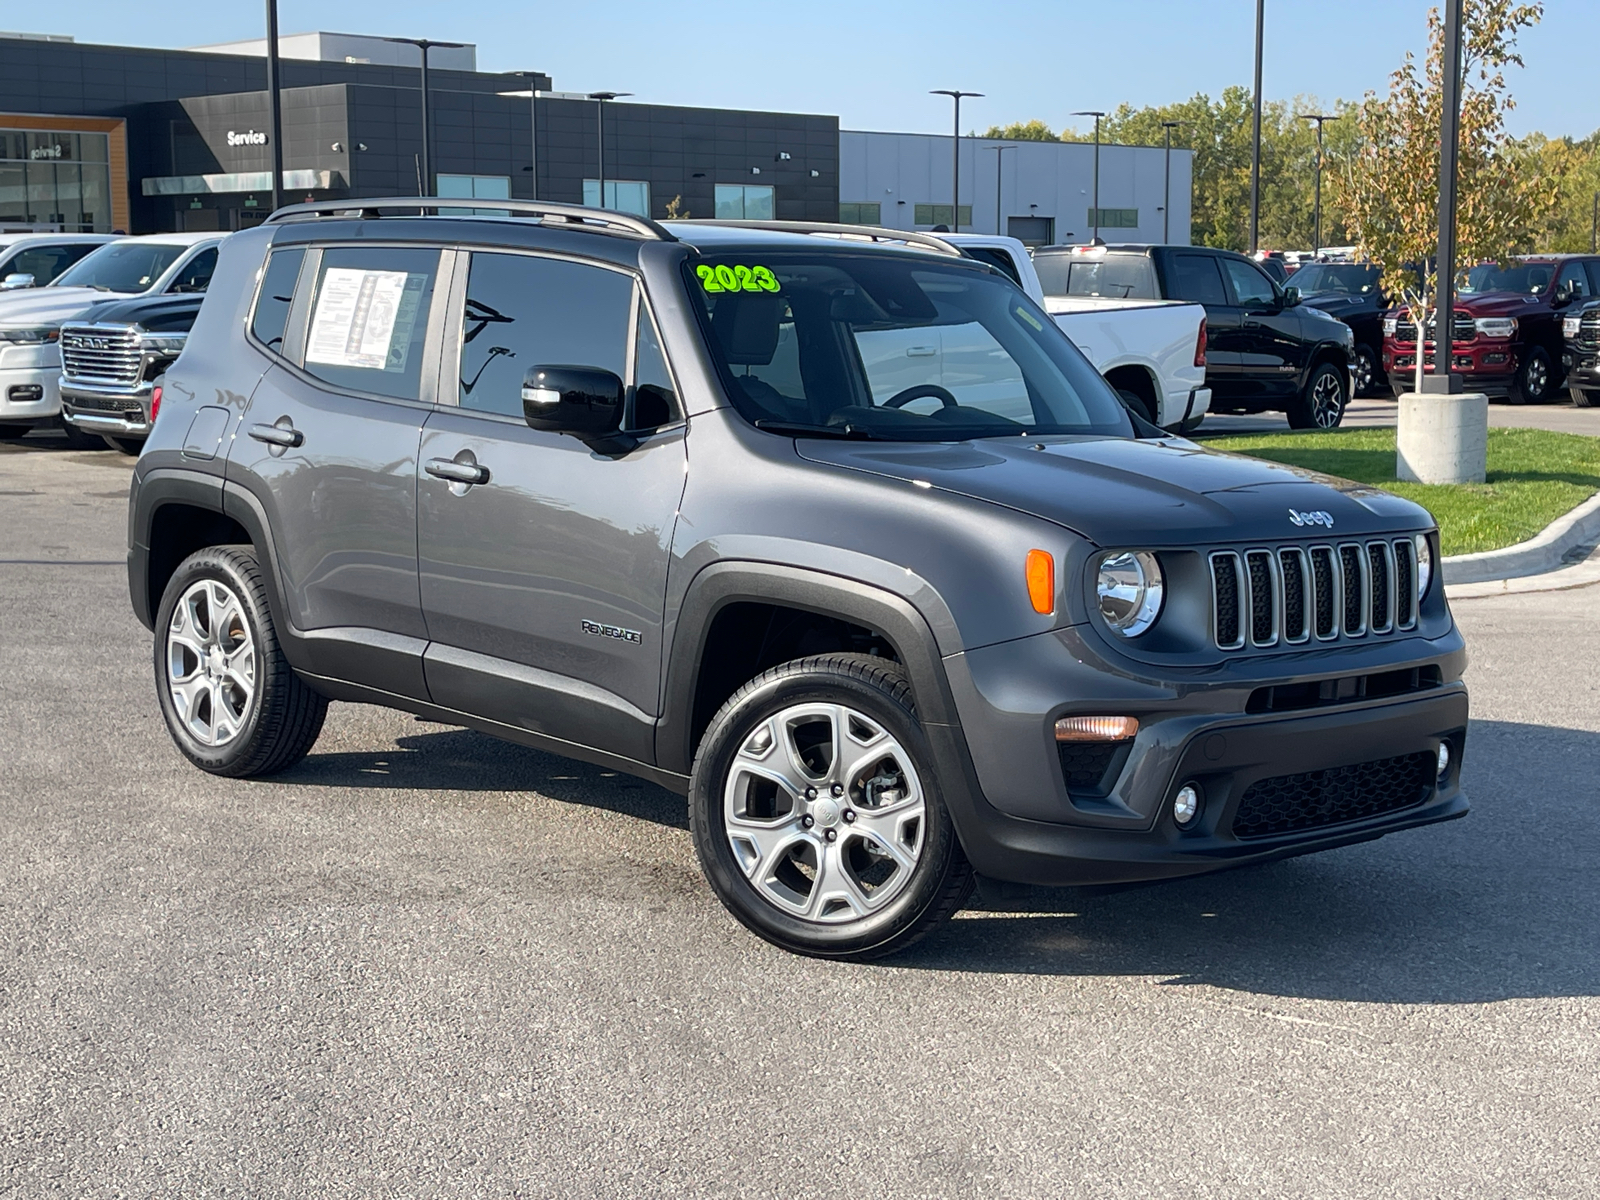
{"x":939,"y":214}
{"x":55,"y":181}
{"x":865,"y":213}
{"x":744,"y":202}
{"x":478,"y":187}
{"x":622,"y":195}
{"x":1115,"y":218}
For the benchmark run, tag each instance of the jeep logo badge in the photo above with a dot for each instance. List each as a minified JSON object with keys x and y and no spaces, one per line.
{"x":1302,"y":519}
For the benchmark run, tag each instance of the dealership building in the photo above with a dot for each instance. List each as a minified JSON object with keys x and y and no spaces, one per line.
{"x":104,"y":138}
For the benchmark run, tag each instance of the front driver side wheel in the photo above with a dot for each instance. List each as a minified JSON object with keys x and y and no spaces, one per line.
{"x":816,"y":814}
{"x":1322,"y":404}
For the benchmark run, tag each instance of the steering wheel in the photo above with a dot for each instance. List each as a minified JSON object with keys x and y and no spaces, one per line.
{"x":942,"y":395}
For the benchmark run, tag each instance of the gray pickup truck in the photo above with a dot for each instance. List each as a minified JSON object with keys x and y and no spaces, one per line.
{"x":632,"y":493}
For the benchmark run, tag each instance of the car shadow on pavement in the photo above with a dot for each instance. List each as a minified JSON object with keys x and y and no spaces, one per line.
{"x":1500,"y":905}
{"x":447,"y":758}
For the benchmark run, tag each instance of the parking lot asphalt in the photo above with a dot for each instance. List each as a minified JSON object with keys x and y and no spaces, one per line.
{"x":425,"y":963}
{"x":1562,"y":417}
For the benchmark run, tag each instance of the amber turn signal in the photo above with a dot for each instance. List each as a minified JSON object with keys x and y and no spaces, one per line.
{"x":1096,"y":729}
{"x":1042,"y":581}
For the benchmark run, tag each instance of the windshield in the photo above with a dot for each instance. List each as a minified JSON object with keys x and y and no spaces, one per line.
{"x":1343,"y":279}
{"x":1530,"y":279}
{"x":122,"y":266}
{"x":897,"y":347}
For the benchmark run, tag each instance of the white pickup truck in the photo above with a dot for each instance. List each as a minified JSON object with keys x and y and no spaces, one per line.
{"x":1152,"y":351}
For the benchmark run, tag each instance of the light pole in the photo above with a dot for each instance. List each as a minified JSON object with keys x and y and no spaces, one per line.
{"x":1255,"y":140}
{"x":999,"y":157}
{"x":533,"y":122}
{"x":1449,"y":153}
{"x":274,"y":105}
{"x":1321,"y":119}
{"x":955,"y":155}
{"x":1166,"y":203}
{"x":424,"y":45}
{"x":600,"y":99}
{"x":1095,"y":219}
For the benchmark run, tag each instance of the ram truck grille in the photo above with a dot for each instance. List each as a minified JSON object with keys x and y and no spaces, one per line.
{"x":1298,"y":594}
{"x":100,"y":354}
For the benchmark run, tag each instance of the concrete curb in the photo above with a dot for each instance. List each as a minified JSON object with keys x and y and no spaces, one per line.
{"x":1581,"y":574}
{"x":1548,"y":551}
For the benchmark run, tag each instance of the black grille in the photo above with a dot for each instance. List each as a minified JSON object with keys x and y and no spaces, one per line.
{"x":1261,"y":606}
{"x":1322,"y":581}
{"x":1293,"y":565}
{"x":1085,"y":764}
{"x":1317,"y":798}
{"x":1589,"y":331}
{"x":1350,"y":564}
{"x":1405,"y":591}
{"x":1406,"y":330}
{"x":1225,"y":585}
{"x":1378,"y":565}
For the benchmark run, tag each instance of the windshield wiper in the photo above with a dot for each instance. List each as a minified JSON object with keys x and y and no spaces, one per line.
{"x":803,"y":430}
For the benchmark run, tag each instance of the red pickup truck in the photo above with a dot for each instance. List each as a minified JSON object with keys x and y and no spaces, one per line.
{"x":1507,"y":327}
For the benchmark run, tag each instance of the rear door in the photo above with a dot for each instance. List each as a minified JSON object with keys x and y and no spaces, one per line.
{"x":1195,"y":275}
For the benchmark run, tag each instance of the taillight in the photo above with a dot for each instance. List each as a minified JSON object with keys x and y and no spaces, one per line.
{"x":155,"y":404}
{"x":1200,"y":345}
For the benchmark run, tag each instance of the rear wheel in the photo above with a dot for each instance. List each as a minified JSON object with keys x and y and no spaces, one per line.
{"x":1585,"y":397}
{"x":1138,"y":404}
{"x":129,"y":446}
{"x":82,"y":439}
{"x":816,"y":814}
{"x":1322,"y":404}
{"x":1534,"y":380}
{"x":1366,"y":369}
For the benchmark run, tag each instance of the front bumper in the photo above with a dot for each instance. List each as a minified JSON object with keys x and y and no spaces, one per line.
{"x":1582,"y":367}
{"x":118,"y":411}
{"x":29,"y":395}
{"x":1487,"y":366}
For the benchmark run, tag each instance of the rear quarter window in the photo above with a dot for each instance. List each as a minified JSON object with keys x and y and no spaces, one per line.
{"x":271,"y":315}
{"x":1195,"y":277}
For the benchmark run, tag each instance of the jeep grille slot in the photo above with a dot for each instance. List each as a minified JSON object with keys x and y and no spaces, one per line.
{"x":100,"y":354}
{"x":1264,"y":598}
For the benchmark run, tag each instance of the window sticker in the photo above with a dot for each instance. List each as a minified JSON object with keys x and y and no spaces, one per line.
{"x":365,"y":318}
{"x":1032,"y":320}
{"x":724,"y":278}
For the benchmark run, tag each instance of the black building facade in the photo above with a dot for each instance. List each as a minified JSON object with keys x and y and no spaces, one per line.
{"x":198,"y":158}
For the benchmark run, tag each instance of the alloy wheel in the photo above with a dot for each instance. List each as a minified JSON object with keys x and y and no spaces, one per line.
{"x":1366,"y":371}
{"x":824,"y":812}
{"x":1327,"y":400}
{"x":211,"y":663}
{"x":1536,"y":377}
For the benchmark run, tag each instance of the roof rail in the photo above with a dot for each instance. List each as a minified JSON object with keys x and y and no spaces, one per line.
{"x":596,"y":220}
{"x":873,"y":233}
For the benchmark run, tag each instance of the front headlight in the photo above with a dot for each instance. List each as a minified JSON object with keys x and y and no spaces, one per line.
{"x":1130,"y":590}
{"x":29,"y":337}
{"x":1424,"y":564}
{"x":1496,"y":327}
{"x":157,"y":343}
{"x":1570,"y":325}
{"x":1390,"y":324}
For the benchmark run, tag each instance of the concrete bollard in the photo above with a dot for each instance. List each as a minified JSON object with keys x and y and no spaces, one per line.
{"x":1442,"y":439}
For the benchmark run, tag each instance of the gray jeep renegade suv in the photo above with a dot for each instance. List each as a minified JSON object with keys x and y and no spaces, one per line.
{"x":839,"y":536}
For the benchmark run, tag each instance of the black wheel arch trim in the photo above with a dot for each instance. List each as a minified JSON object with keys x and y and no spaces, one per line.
{"x":150,"y":493}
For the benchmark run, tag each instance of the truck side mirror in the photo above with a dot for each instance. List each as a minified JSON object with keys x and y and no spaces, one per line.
{"x":1291,"y":296}
{"x":585,"y":402}
{"x":16,"y":280}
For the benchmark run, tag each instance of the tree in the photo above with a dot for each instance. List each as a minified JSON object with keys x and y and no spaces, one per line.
{"x":1022,"y":131}
{"x":1390,"y":187}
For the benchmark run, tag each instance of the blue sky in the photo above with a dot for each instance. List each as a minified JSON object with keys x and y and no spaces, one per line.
{"x":873,"y":64}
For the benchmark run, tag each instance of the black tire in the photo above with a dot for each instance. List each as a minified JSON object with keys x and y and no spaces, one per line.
{"x":1138,"y":404}
{"x":1368,"y":370}
{"x":1585,"y":397}
{"x":282,"y":717}
{"x":1192,"y":424}
{"x":936,"y":886}
{"x":13,"y":433}
{"x":1534,"y":382}
{"x":1322,"y":404}
{"x":128,"y":446}
{"x":82,"y":439}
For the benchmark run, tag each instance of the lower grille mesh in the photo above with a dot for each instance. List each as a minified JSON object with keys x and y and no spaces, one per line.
{"x":1316,"y":798}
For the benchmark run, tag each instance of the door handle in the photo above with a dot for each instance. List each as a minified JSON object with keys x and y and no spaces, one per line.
{"x":277,"y":435}
{"x":457,"y":472}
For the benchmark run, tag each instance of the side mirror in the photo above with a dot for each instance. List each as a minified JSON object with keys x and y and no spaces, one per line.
{"x":584,"y":402}
{"x":1291,"y":296}
{"x":1564,"y":293}
{"x":12,"y":282}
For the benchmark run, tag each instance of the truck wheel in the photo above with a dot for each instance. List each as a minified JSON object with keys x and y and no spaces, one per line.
{"x":82,"y":439}
{"x":816,"y":813}
{"x":1534,"y":380}
{"x":232,"y":703}
{"x":1366,"y":369}
{"x":1321,"y":405}
{"x":1585,"y":397}
{"x":1138,"y":404}
{"x":128,"y":446}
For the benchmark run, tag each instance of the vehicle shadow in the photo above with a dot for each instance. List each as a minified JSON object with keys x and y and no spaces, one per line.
{"x":447,"y":758}
{"x":1502,"y":904}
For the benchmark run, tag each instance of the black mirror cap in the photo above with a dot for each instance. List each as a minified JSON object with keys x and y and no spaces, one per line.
{"x":583,"y":401}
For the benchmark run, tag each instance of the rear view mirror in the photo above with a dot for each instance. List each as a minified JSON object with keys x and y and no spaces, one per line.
{"x":12,"y":282}
{"x":584,"y":402}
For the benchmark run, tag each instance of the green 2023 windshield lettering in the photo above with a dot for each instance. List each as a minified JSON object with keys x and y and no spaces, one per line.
{"x":724,"y":278}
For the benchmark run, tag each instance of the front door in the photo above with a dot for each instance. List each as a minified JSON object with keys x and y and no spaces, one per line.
{"x":543,"y":586}
{"x":328,"y":447}
{"x":1270,"y":342}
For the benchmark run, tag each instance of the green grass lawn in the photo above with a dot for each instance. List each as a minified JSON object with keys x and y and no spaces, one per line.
{"x":1534,"y":477}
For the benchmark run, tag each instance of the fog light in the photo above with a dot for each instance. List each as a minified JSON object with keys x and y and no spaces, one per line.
{"x":1444,"y":760}
{"x":1186,"y":805}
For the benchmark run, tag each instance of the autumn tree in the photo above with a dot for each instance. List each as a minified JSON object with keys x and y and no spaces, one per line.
{"x":1389,"y":189}
{"x":1022,"y":131}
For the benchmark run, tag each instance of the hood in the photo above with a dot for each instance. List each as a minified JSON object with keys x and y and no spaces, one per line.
{"x":1120,"y":492}
{"x":51,"y":305}
{"x":1500,"y":304}
{"x":1339,"y":304}
{"x":118,"y":310}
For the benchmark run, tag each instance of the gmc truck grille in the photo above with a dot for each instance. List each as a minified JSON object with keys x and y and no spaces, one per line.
{"x":100,"y":354}
{"x":1588,"y":338}
{"x":1405,"y":329}
{"x":1290,"y":803}
{"x":1297,"y":594}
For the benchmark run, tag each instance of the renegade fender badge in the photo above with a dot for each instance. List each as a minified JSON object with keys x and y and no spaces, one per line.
{"x":612,"y":631}
{"x":1325,"y":519}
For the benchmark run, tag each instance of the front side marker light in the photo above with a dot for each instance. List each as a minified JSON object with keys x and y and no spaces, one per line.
{"x":1096,"y":729}
{"x":1041,"y":574}
{"x":1186,"y":806}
